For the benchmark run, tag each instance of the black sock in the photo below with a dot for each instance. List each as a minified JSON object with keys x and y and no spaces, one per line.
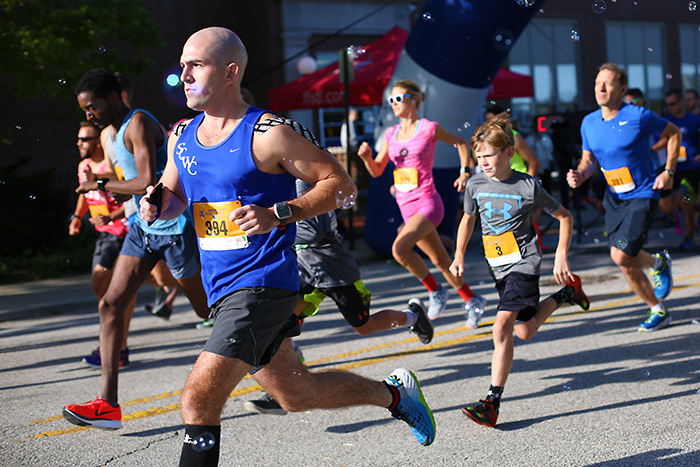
{"x":565,"y":295}
{"x":201,"y":445}
{"x":395,"y":396}
{"x":494,"y":395}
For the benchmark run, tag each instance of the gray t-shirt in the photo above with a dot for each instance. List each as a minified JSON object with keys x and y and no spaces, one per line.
{"x":505,"y":209}
{"x":324,"y":262}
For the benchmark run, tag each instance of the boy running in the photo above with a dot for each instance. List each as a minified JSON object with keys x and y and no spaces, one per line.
{"x":506,"y":200}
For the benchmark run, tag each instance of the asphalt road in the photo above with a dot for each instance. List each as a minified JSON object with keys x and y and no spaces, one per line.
{"x":587,"y":390}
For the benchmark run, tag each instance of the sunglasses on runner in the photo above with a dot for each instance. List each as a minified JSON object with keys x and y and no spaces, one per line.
{"x":399,"y":97}
{"x":85,"y":139}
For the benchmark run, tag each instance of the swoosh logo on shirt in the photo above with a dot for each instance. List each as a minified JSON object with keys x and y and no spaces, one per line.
{"x":234,"y":150}
{"x":624,"y":123}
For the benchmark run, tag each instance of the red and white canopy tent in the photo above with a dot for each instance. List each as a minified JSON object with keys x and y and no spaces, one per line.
{"x":373,"y":71}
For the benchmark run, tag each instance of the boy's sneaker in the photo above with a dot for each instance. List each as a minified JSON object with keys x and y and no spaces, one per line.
{"x":579,"y":298}
{"x":423,"y":327}
{"x":265,"y":405}
{"x":412,"y":407}
{"x":94,"y":360}
{"x":438,"y":302}
{"x":206,"y":324}
{"x":475,"y":311}
{"x":97,"y":413}
{"x":483,"y":413}
{"x":656,"y":320}
{"x":663,"y":277}
{"x":160,"y":310}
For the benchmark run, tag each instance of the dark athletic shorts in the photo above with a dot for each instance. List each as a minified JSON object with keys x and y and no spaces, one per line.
{"x":180,"y":252}
{"x":251,"y":323}
{"x":107,"y":248}
{"x":627,"y":222}
{"x":519,"y":293}
{"x":353,"y":301}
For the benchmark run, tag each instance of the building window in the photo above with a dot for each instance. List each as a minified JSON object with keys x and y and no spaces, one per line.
{"x":690,"y":55}
{"x":547,"y":52}
{"x":640,"y":49}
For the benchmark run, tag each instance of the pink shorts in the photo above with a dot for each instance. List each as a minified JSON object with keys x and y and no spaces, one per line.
{"x":430,"y":206}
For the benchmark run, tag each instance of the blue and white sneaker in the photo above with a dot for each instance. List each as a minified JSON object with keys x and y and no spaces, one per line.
{"x":475,"y":311}
{"x":438,"y":302}
{"x":663,"y":277}
{"x":412,"y":407}
{"x":656,"y":320}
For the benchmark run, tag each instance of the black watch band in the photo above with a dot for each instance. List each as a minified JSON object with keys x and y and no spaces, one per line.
{"x":101,"y":184}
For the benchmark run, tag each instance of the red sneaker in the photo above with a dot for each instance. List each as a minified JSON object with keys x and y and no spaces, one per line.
{"x":97,"y":413}
{"x":580,"y":297}
{"x":483,"y":413}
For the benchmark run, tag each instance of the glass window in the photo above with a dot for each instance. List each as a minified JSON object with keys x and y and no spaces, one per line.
{"x":548,"y":51}
{"x":690,"y":55}
{"x":640,"y":49}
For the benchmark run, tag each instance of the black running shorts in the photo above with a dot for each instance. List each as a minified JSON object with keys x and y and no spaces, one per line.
{"x":519,"y":293}
{"x":628,"y":222}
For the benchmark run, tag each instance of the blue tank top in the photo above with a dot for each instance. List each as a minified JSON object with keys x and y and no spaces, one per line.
{"x":128,"y":163}
{"x":215,"y":179}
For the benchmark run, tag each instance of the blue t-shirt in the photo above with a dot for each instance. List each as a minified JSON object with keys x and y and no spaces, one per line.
{"x":215,"y":179}
{"x":689,"y":124}
{"x":622,"y":148}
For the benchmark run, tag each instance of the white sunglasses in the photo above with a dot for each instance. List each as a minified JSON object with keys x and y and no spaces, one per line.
{"x":399,"y":97}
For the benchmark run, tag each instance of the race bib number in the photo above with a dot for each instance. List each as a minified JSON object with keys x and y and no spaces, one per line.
{"x":405,"y":179}
{"x":98,"y":210}
{"x":119,"y":171}
{"x":501,"y":249}
{"x":619,"y":180}
{"x":215,"y":231}
{"x":682,"y":154}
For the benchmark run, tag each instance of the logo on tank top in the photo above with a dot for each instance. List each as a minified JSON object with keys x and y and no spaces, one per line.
{"x":188,"y":162}
{"x":403,"y":152}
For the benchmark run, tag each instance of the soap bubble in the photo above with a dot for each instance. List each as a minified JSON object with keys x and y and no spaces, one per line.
{"x":575,"y":36}
{"x":428,"y":17}
{"x":525,"y":3}
{"x":692,"y":6}
{"x":345,"y":200}
{"x":566,"y":387}
{"x":503,"y":40}
{"x":622,"y":243}
{"x":668,"y":76}
{"x":599,"y":6}
{"x":102,"y":49}
{"x":62,"y":81}
{"x":203,"y":442}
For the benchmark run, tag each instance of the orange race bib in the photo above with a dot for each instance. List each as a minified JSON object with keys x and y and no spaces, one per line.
{"x":501,"y":249}
{"x":215,"y":231}
{"x":682,"y":155}
{"x":405,"y":179}
{"x":98,"y":210}
{"x":619,"y":180}
{"x":119,"y":171}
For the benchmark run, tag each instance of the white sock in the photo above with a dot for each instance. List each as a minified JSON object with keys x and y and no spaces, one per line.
{"x":658,"y":262}
{"x":658,"y":307}
{"x":411,"y":318}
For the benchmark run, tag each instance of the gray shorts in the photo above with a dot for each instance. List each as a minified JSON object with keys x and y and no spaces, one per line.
{"x":180,"y":252}
{"x":106,"y":251}
{"x":251,"y":323}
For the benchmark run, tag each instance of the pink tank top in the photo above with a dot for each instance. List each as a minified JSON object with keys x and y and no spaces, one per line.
{"x":101,"y":202}
{"x":413,"y":158}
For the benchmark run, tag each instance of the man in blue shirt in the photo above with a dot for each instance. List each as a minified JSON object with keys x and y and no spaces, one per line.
{"x":616,"y":137}
{"x":685,"y":183}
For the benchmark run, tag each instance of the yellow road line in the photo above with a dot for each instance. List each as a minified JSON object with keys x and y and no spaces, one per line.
{"x":351,"y":365}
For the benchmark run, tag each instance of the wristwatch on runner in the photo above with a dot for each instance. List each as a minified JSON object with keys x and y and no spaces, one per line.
{"x":282,"y":212}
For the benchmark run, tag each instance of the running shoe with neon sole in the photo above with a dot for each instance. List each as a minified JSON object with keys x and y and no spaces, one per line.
{"x":655,"y":321}
{"x":423,"y":327}
{"x":475,"y":311}
{"x":483,"y":413}
{"x":97,"y":413}
{"x":206,"y":324}
{"x":412,"y":407}
{"x":579,"y":298}
{"x":94,"y":360}
{"x":438,"y":302}
{"x":663,"y":277}
{"x":265,"y":405}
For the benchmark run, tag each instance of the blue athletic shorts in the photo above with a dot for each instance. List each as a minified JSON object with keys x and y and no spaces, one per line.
{"x":106,"y":251}
{"x":180,"y":252}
